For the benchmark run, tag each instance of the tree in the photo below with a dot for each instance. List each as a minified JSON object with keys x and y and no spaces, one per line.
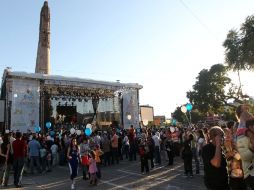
{"x":233,"y":54}
{"x":247,"y":42}
{"x":208,"y":94}
{"x":239,"y":49}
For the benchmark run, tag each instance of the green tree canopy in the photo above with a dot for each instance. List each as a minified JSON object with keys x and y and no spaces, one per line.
{"x":239,"y":49}
{"x":208,"y":94}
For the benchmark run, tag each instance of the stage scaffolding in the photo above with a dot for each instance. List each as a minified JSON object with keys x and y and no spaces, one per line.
{"x":33,"y":95}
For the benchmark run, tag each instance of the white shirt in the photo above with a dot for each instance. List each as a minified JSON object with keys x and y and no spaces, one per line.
{"x":156,"y":140}
{"x":54,"y":149}
{"x":126,"y":140}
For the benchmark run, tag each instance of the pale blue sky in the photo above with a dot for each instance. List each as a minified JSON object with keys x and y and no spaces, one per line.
{"x":160,"y":44}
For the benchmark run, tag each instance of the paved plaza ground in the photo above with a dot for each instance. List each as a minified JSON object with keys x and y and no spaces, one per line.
{"x":124,"y":176}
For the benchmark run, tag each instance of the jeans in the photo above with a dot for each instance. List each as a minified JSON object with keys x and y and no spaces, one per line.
{"x":157,"y":155}
{"x":132,"y":155}
{"x":144,"y":164}
{"x":54,"y":159}
{"x":115,"y":155}
{"x":127,"y":151}
{"x":4,"y":176}
{"x":170,"y":157}
{"x":18,"y":165}
{"x":106,"y":158}
{"x":35,"y":160}
{"x":151,"y":156}
{"x":195,"y":156}
{"x":188,"y":166}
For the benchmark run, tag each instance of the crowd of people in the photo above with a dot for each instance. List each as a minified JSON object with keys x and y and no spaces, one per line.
{"x":226,"y":152}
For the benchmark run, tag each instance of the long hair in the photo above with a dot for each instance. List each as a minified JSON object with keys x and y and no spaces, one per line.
{"x":71,"y":145}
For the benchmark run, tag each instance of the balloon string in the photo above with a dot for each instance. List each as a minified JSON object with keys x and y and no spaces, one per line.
{"x":187,"y":119}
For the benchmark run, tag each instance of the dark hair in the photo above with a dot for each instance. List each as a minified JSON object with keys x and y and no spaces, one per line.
{"x":18,"y":134}
{"x":230,"y":124}
{"x":6,"y":139}
{"x":249,"y":123}
{"x":191,"y":137}
{"x":201,"y":134}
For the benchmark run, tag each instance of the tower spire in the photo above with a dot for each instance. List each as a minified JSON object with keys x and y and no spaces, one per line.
{"x":43,"y":52}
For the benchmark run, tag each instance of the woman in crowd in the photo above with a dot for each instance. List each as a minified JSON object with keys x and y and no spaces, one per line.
{"x":73,"y":158}
{"x":187,"y":157}
{"x":6,"y":160}
{"x":200,"y":142}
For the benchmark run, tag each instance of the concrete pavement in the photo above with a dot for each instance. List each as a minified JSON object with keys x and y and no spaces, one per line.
{"x":124,"y":176}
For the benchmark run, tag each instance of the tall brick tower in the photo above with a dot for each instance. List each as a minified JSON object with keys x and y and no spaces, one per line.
{"x":43,"y":52}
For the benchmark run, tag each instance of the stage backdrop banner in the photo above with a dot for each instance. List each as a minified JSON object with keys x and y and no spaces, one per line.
{"x":130,"y":109}
{"x":25,"y":105}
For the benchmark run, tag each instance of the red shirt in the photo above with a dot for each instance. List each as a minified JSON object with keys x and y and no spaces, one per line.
{"x":19,"y":148}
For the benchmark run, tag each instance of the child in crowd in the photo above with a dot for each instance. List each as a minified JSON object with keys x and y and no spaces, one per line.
{"x":143,"y":152}
{"x":92,"y":169}
{"x":98,"y":153}
{"x":84,"y":152}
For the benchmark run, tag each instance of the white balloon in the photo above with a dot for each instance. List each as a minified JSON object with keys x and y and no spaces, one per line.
{"x":78,"y":132}
{"x":172,"y":129}
{"x":89,"y":126}
{"x":129,"y":117}
{"x":183,"y":109}
{"x":145,"y":122}
{"x":72,"y":130}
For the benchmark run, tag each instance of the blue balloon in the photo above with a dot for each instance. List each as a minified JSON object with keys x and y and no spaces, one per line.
{"x":174,"y":122}
{"x":189,"y":106}
{"x":48,"y":125}
{"x":88,"y":131}
{"x":52,"y":133}
{"x":37,"y":129}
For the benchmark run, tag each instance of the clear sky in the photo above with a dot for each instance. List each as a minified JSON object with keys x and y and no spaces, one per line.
{"x":160,"y":44}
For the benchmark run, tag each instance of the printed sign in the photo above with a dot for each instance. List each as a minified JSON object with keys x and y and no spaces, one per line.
{"x":25,"y":105}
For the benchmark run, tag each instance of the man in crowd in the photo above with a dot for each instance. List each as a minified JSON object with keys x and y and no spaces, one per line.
{"x":157,"y":142}
{"x":114,"y":145}
{"x":34,"y":153}
{"x":215,"y":177}
{"x":19,"y":154}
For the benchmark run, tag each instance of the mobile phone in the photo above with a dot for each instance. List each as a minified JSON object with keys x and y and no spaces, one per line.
{"x":250,"y":167}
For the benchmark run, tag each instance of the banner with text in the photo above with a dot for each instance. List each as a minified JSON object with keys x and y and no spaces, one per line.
{"x":130,"y":109}
{"x":25,"y":105}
